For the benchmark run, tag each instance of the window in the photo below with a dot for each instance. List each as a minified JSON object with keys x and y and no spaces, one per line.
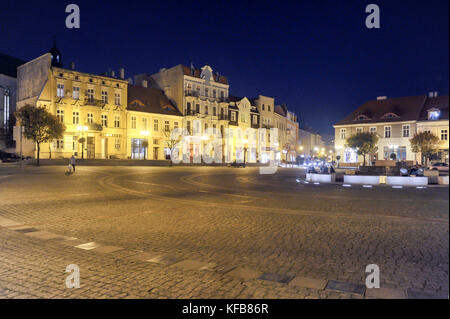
{"x":444,"y":135}
{"x":188,"y":108}
{"x":373,"y":129}
{"x":434,"y":114}
{"x":206,"y":92}
{"x":206,"y":109}
{"x":387,"y":131}
{"x":214,"y":111}
{"x":155,"y":141}
{"x":116,"y":120}
{"x":221,"y":94}
{"x":155,"y":125}
{"x":74,"y":143}
{"x":90,"y":118}
{"x":343,"y":131}
{"x":214,"y":128}
{"x":206,"y":127}
{"x":60,"y":115}
{"x":104,"y":120}
{"x":359,"y":130}
{"x":59,"y":144}
{"x":76,"y":118}
{"x":76,"y":93}
{"x":60,"y":90}
{"x":263,"y":107}
{"x":133,"y":122}
{"x":144,"y":123}
{"x":104,"y":97}
{"x":405,"y":130}
{"x":90,"y":95}
{"x":268,"y":108}
{"x":214,"y":93}
{"x":166,"y":126}
{"x":117,"y":98}
{"x":175,"y":125}
{"x":188,"y":126}
{"x":254,"y":119}
{"x":233,"y":116}
{"x":117,"y":144}
{"x":197,"y":108}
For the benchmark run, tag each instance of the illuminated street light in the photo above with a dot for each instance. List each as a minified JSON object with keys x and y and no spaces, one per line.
{"x":145,"y":133}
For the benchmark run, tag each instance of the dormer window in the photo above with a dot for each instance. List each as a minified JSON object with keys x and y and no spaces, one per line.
{"x":361,"y":117}
{"x":433,"y":114}
{"x":390,"y":116}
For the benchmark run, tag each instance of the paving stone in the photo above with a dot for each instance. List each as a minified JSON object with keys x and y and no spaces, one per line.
{"x":145,"y":256}
{"x":5,"y":222}
{"x":107,"y":249}
{"x":194,"y":265}
{"x":385,"y":293}
{"x":305,"y":282}
{"x":88,"y":246}
{"x":349,"y":287}
{"x":415,"y":294}
{"x":164,"y":260}
{"x":244,"y":273}
{"x":284,"y":279}
{"x":43,"y":235}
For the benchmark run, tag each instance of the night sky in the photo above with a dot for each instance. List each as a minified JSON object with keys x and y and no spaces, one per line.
{"x":316,"y":56}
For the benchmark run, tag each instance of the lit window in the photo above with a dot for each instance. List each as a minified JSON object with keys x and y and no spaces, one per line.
{"x":144,"y":123}
{"x":76,"y":93}
{"x":117,"y":121}
{"x":343,"y":132}
{"x":90,"y":118}
{"x":233,"y":116}
{"x":117,"y":98}
{"x":60,"y":90}
{"x":359,"y":130}
{"x":104,"y":97}
{"x":90,"y":95}
{"x":433,"y":114}
{"x":166,"y":126}
{"x":175,"y":125}
{"x":59,"y":144}
{"x":133,"y":122}
{"x":373,"y":130}
{"x":155,"y":125}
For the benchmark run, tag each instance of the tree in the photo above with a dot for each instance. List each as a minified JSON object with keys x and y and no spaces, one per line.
{"x":425,"y":143}
{"x":171,"y":140}
{"x":364,"y":143}
{"x":39,"y":125}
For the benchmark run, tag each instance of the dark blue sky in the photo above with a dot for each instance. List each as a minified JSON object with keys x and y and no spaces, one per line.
{"x":316,"y":56}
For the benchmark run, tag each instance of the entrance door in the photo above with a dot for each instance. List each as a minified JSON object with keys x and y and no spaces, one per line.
{"x":90,"y":147}
{"x":155,"y":153}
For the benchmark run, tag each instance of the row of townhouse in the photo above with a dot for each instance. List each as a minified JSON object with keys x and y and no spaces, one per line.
{"x":395,"y":121}
{"x":108,"y":117}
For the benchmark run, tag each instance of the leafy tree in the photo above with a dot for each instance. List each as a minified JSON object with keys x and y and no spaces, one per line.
{"x":171,"y":140}
{"x":39,"y":125}
{"x":425,"y":143}
{"x":364,"y":142}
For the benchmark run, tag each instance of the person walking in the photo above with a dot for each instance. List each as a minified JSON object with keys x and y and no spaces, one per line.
{"x":72,"y":162}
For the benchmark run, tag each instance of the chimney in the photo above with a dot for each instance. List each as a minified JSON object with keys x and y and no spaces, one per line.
{"x":144,"y":83}
{"x":122,"y":73}
{"x":72,"y":65}
{"x":379,"y":98}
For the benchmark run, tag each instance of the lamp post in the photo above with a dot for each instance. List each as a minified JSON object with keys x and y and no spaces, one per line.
{"x":82,"y":129}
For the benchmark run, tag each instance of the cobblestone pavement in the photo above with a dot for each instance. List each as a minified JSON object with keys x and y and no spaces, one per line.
{"x":214,"y":232}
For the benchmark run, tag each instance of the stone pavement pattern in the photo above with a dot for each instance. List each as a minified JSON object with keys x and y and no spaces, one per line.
{"x":186,"y":232}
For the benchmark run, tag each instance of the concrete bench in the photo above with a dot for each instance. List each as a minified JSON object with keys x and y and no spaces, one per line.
{"x":362,"y":179}
{"x":321,"y":178}
{"x":407,"y":180}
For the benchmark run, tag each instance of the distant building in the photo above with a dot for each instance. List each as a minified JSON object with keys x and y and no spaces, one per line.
{"x":311,"y":144}
{"x":8,"y":94}
{"x":395,"y":121}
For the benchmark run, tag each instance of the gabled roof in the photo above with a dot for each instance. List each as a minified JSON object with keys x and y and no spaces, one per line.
{"x":196,"y":73}
{"x":9,"y":64}
{"x":408,"y":108}
{"x":281,"y":110}
{"x":149,"y":100}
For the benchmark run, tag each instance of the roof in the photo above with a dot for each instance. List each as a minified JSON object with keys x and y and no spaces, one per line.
{"x":9,"y":64}
{"x":281,"y":110}
{"x":440,"y":103}
{"x":149,"y":100}
{"x":400,"y":109}
{"x":218,"y":78}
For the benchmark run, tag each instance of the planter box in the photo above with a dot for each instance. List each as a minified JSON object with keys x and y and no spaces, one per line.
{"x":321,"y":178}
{"x":407,"y":180}
{"x":362,"y":179}
{"x":443,"y":180}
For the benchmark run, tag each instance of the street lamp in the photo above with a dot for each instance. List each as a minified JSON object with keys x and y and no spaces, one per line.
{"x":245,"y":141}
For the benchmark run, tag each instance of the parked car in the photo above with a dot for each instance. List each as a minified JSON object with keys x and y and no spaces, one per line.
{"x":442,"y":167}
{"x":11,"y":157}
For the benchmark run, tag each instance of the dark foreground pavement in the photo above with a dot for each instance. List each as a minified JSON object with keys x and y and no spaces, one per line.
{"x":214,"y":232}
